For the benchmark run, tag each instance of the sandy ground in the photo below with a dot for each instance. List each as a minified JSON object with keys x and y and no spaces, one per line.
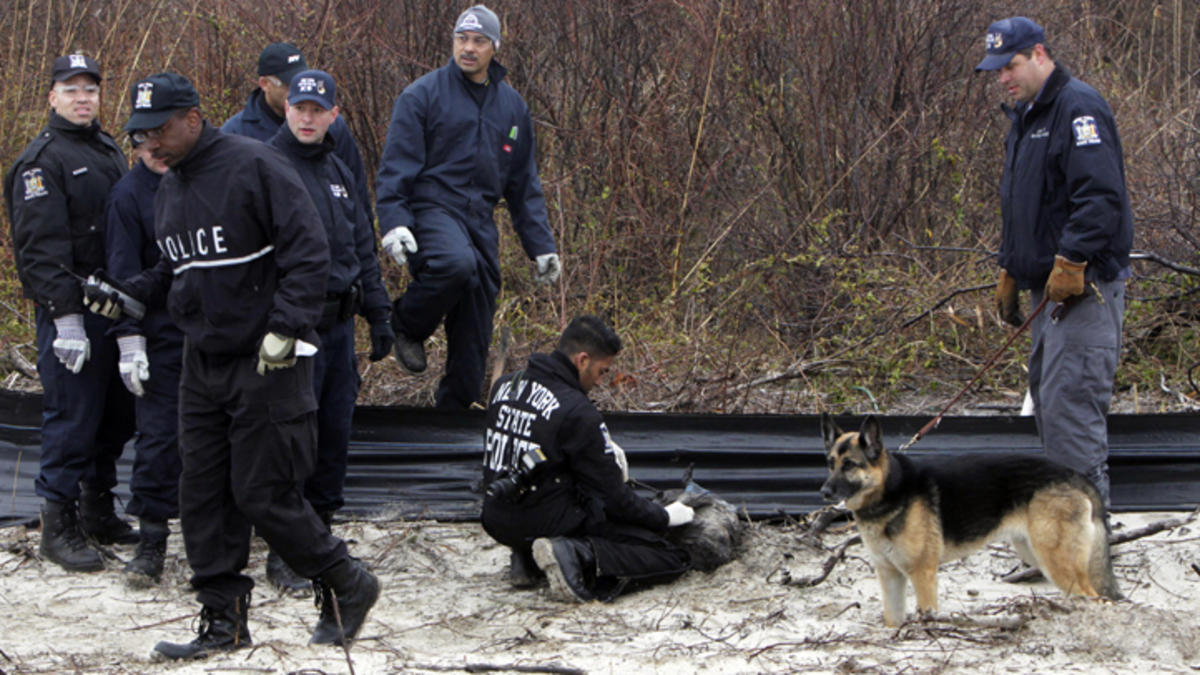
{"x":446,"y":607}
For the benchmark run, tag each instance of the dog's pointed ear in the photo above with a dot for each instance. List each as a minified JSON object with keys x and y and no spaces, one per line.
{"x":829,"y":431}
{"x":871,"y":438}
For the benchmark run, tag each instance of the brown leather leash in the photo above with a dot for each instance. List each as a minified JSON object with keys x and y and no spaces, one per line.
{"x":1058,"y":311}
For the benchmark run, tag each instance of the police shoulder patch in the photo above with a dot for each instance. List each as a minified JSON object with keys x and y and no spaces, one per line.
{"x":34,"y":183}
{"x":1085,"y":130}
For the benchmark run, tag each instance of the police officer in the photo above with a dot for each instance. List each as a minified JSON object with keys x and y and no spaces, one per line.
{"x":1067,"y":233}
{"x":263,"y":115}
{"x":246,"y":264}
{"x":151,"y":354}
{"x":460,"y":139}
{"x":555,"y":493}
{"x":56,"y":193}
{"x":354,"y":286}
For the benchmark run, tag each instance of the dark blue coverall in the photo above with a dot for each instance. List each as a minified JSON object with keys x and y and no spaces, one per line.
{"x":447,"y":162}
{"x":131,"y":248}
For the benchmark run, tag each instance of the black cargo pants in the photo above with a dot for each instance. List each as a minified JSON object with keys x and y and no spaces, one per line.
{"x":247,"y":442}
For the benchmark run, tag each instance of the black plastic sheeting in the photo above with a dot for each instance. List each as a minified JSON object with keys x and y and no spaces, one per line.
{"x":422,"y":463}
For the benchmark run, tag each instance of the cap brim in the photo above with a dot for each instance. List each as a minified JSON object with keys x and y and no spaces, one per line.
{"x":299,"y":98}
{"x":148,"y":119}
{"x":995,"y":61}
{"x":66,"y":75}
{"x":286,"y":76}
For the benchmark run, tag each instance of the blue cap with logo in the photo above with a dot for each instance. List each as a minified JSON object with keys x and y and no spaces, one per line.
{"x":313,"y":85}
{"x":154,"y":99}
{"x":1006,"y":37}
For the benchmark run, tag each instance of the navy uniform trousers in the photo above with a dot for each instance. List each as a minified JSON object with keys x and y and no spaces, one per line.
{"x":247,"y":442}
{"x":87,"y":417}
{"x":335,"y":384}
{"x":156,"y":465}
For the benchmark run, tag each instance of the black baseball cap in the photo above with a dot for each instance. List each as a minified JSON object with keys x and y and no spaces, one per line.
{"x":1006,"y":37}
{"x":70,"y":65}
{"x":313,"y":85}
{"x":281,"y":59}
{"x":154,"y":99}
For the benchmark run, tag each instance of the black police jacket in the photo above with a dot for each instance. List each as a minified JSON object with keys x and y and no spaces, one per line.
{"x":244,"y":250}
{"x":56,"y":193}
{"x":330,"y":183}
{"x":578,"y":484}
{"x":1063,"y":188}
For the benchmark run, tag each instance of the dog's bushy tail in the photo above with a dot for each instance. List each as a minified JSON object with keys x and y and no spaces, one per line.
{"x":1100,"y":567}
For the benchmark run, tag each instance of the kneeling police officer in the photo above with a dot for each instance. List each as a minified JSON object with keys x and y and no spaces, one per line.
{"x":556,"y":493}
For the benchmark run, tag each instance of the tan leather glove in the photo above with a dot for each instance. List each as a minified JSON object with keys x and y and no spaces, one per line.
{"x":1066,"y":279}
{"x":1008,"y":305}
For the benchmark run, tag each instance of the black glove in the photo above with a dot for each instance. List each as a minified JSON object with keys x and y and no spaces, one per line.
{"x":382,"y":339}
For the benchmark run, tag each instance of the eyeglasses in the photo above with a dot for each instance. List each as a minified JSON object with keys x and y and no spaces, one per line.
{"x":142,"y":135}
{"x":75,"y":89}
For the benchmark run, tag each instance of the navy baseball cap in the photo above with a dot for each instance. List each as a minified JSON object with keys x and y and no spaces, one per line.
{"x":1006,"y":37}
{"x":154,"y":99}
{"x":313,"y":85}
{"x":281,"y":59}
{"x":66,"y":67}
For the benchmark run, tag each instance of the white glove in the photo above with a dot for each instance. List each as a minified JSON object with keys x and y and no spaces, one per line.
{"x":134,"y":365}
{"x":71,"y":344}
{"x":679,"y":513}
{"x":100,"y":304}
{"x":276,"y":352}
{"x":548,"y":268}
{"x":619,"y":456}
{"x":400,"y":243}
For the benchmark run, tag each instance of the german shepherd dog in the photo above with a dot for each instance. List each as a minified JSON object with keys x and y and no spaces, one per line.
{"x":913,"y":516}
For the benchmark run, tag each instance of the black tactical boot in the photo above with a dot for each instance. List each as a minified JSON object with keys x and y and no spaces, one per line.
{"x":345,"y":592}
{"x":569,"y":565}
{"x":146,"y":566}
{"x":219,"y":631}
{"x":410,"y":353}
{"x":62,"y":540}
{"x":100,"y":520}
{"x":282,"y":576}
{"x":523,"y":571}
{"x":326,"y":518}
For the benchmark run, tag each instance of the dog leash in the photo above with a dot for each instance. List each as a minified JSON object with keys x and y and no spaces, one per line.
{"x":1058,"y":312}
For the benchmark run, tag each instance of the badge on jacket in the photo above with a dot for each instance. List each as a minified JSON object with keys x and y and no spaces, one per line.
{"x":1085,"y":131}
{"x":35,"y":185}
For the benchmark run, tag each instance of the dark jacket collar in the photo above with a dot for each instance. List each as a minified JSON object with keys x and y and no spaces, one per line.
{"x":285,"y":140}
{"x":559,"y":366}
{"x":145,"y":176}
{"x":1058,"y":79}
{"x":60,"y":123}
{"x":208,"y":136}
{"x":496,"y":72}
{"x":257,"y":108}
